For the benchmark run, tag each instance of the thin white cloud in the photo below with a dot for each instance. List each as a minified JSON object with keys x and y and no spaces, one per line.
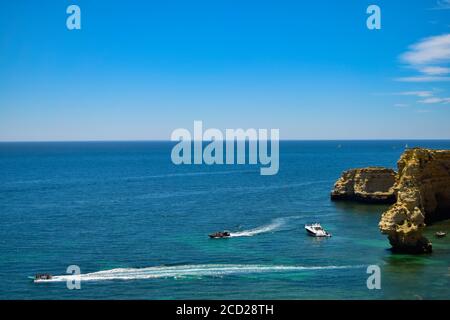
{"x":430,"y":57}
{"x":431,"y":50}
{"x":426,"y":97}
{"x":434,"y":70}
{"x":442,"y":5}
{"x":434,"y":100}
{"x":420,"y":94}
{"x":423,"y":79}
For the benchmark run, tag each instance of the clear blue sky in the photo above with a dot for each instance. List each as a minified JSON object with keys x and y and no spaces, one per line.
{"x":137,"y":70}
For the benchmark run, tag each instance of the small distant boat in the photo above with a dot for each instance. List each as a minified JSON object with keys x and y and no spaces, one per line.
{"x":440,"y":234}
{"x":220,"y":235}
{"x":42,"y":276}
{"x":316,"y":230}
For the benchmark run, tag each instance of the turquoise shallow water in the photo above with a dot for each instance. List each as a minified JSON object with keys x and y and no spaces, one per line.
{"x":124,"y":209}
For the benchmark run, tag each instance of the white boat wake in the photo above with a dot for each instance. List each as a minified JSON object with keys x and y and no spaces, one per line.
{"x":275,"y":225}
{"x":201,"y":270}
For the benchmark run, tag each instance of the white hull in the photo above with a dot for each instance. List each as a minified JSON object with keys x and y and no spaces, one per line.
{"x":316,"y":231}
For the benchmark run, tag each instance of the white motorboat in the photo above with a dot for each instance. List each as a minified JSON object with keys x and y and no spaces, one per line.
{"x":440,"y":234}
{"x":316,"y":230}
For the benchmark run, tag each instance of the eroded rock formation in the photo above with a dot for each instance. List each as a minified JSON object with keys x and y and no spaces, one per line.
{"x":373,"y":184}
{"x":420,"y":192}
{"x":423,"y":195}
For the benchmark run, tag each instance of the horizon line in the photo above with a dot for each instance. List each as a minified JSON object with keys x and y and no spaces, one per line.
{"x":224,"y":140}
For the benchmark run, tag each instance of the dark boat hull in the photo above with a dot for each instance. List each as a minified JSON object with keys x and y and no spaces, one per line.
{"x":218,"y":237}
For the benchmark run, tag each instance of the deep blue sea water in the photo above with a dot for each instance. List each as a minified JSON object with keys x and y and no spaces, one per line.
{"x":123,"y":208}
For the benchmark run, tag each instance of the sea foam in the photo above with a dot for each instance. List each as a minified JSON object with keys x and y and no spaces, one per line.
{"x":199,"y":270}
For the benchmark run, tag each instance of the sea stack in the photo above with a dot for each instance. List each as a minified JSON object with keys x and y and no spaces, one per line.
{"x":423,"y":195}
{"x":371,"y":185}
{"x":420,"y":193}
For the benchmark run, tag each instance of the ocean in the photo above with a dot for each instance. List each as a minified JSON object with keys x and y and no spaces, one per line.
{"x":137,"y":225}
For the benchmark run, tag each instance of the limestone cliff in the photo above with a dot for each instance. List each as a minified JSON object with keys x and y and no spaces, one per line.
{"x":423,"y":195}
{"x":373,"y":184}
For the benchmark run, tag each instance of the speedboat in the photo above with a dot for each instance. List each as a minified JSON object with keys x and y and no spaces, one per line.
{"x":316,"y":230}
{"x":440,"y":234}
{"x":42,"y":276}
{"x":220,"y":235}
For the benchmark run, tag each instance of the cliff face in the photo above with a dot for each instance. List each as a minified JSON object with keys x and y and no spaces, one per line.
{"x":371,"y":184}
{"x":420,"y":192}
{"x":423,"y":195}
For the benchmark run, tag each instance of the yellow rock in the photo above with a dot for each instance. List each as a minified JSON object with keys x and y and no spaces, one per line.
{"x":423,"y":195}
{"x":373,"y":184}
